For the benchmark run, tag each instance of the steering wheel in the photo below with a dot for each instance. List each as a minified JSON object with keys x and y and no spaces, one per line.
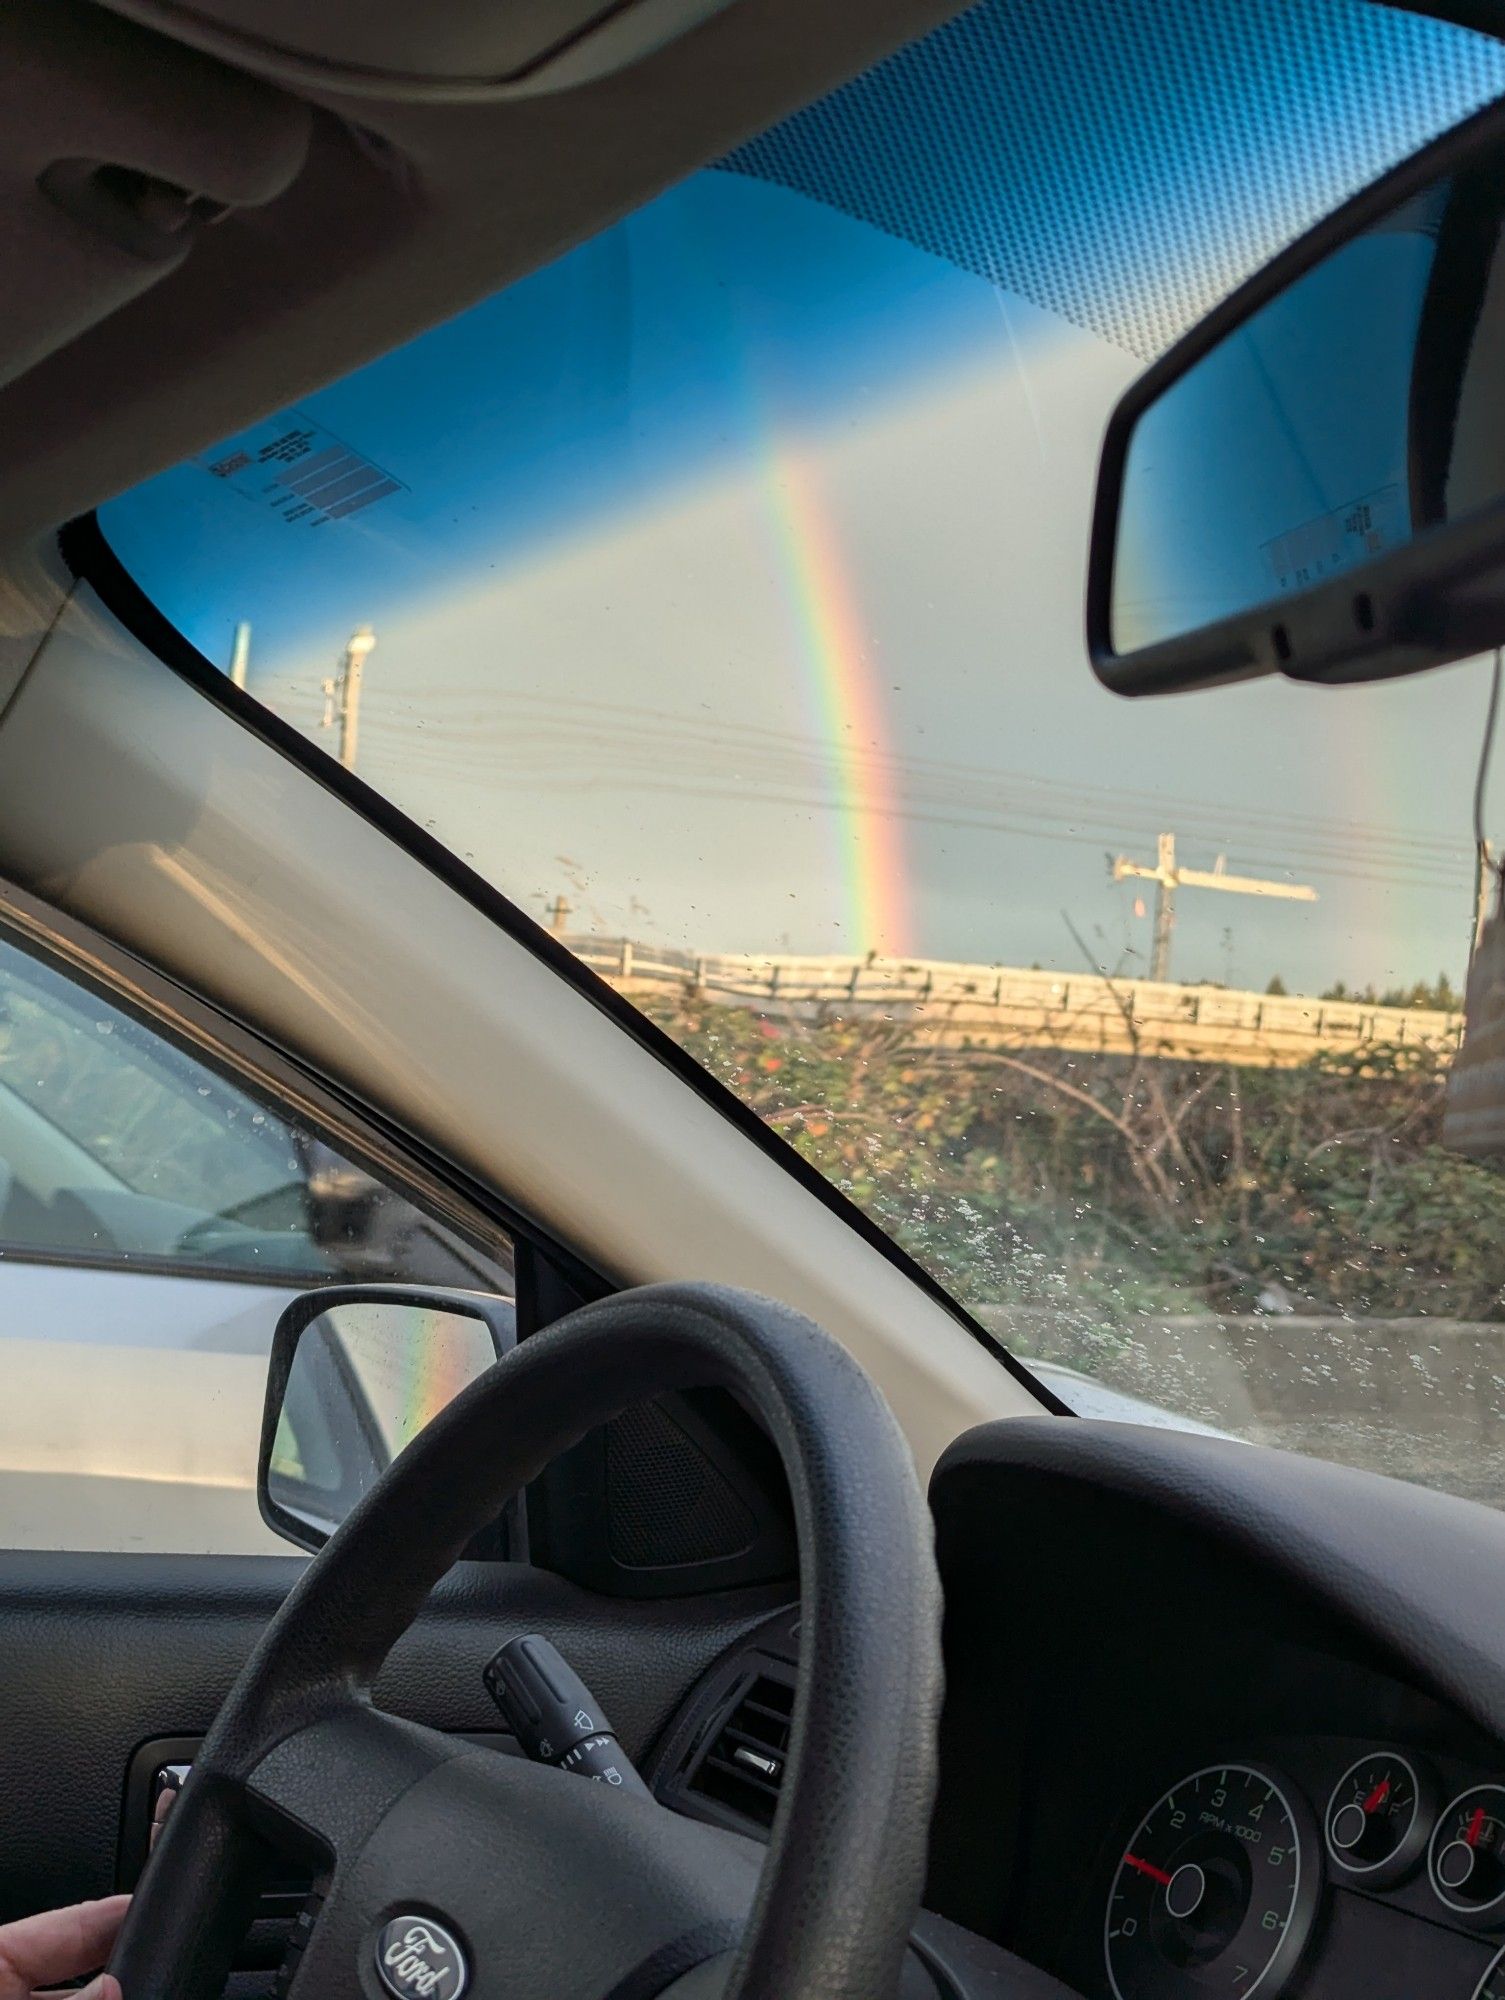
{"x":554,"y":1888}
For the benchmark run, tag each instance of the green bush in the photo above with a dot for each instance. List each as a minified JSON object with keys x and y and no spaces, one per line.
{"x":1118,"y":1185}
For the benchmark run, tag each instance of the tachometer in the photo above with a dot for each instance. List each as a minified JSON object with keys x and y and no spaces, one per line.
{"x":1216,"y":1891}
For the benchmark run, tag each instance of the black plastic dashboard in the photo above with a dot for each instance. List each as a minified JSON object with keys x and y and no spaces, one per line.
{"x":1219,"y":1721}
{"x":1125,"y":1609}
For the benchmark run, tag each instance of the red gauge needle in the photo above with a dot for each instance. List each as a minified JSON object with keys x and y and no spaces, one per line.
{"x":1378,"y":1796}
{"x":1475,"y":1826}
{"x":1147,"y":1868}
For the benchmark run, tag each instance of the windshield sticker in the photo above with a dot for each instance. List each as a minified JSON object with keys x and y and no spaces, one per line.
{"x":1336,"y":541}
{"x":300,"y":471}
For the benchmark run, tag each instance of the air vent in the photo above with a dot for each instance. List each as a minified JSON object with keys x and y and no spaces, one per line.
{"x":744,"y":1767}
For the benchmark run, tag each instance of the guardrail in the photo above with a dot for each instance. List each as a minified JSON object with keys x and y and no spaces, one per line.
{"x":980,"y":1006}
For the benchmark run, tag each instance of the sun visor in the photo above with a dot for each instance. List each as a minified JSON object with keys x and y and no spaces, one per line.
{"x":442,"y":50}
{"x":116,"y":151}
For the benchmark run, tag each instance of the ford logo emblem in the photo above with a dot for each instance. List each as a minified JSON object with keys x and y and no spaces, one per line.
{"x":418,"y":1959}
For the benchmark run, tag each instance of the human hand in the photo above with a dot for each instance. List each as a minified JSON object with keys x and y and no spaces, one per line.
{"x":61,"y":1944}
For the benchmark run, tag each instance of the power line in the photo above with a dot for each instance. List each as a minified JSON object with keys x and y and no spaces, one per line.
{"x":648,"y":723}
{"x":620,"y":772}
{"x":1093,"y":829}
{"x":626,"y":747}
{"x":1342,"y":840}
{"x":1023,"y":828}
{"x":1026,"y":818}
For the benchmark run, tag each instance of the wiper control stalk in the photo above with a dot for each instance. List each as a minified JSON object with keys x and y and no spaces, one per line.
{"x":554,"y":1715}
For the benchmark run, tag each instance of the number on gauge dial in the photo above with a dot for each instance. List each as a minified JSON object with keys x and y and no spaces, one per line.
{"x":1216,"y":1891}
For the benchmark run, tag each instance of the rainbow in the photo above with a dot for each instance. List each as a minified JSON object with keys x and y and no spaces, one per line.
{"x":437,"y":1355}
{"x":848,"y":709}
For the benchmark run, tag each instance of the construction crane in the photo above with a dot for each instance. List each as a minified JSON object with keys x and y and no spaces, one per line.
{"x":1168,"y":878}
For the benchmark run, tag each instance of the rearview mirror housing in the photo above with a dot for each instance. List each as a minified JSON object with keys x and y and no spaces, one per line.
{"x":1312,"y":481}
{"x":356,"y":1372}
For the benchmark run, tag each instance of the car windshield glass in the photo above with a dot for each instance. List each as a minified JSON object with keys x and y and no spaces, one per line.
{"x":716,"y":592}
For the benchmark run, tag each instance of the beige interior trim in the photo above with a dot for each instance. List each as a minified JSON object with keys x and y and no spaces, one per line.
{"x":132,"y":803}
{"x":405,"y":213}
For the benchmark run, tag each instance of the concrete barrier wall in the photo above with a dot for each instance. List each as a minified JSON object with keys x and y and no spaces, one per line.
{"x":950,"y":1005}
{"x":1423,"y":1399}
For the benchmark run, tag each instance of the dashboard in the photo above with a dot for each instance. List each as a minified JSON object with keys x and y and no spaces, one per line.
{"x":1316,"y":1864}
{"x":1125,"y":1611}
{"x":1218,"y":1724}
{"x":1213,"y":1816}
{"x":1182,"y":1762}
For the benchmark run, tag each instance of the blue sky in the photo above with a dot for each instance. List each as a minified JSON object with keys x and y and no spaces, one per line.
{"x":575,"y":396}
{"x":587,"y":675}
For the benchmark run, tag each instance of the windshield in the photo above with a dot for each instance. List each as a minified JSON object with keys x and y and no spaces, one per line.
{"x":717,"y":593}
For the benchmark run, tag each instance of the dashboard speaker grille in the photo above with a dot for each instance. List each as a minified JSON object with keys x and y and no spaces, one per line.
{"x":669,"y":1504}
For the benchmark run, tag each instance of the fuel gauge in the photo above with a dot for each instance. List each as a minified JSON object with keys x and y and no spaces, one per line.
{"x":1378,"y":1817}
{"x":1466,"y":1859}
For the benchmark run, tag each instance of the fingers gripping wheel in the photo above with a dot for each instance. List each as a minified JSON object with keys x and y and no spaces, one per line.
{"x":530,"y":1884}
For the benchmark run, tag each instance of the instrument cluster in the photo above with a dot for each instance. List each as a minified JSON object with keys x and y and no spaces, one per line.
{"x":1241,"y":1879}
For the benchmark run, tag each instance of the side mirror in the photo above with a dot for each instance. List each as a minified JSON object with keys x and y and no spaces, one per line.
{"x":356,"y":1372}
{"x":1312,"y":482}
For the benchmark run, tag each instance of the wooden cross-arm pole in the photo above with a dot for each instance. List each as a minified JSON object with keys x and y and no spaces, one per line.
{"x":1168,"y":878}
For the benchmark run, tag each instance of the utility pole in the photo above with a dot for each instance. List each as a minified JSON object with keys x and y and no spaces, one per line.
{"x":559,"y":915}
{"x":1168,"y":878}
{"x":240,"y":654}
{"x":342,"y":693}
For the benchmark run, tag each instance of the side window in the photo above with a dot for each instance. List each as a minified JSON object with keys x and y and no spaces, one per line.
{"x":154,"y":1219}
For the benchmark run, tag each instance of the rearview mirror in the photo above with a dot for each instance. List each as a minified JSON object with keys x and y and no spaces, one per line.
{"x":1312,"y":482}
{"x":356,"y":1372}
